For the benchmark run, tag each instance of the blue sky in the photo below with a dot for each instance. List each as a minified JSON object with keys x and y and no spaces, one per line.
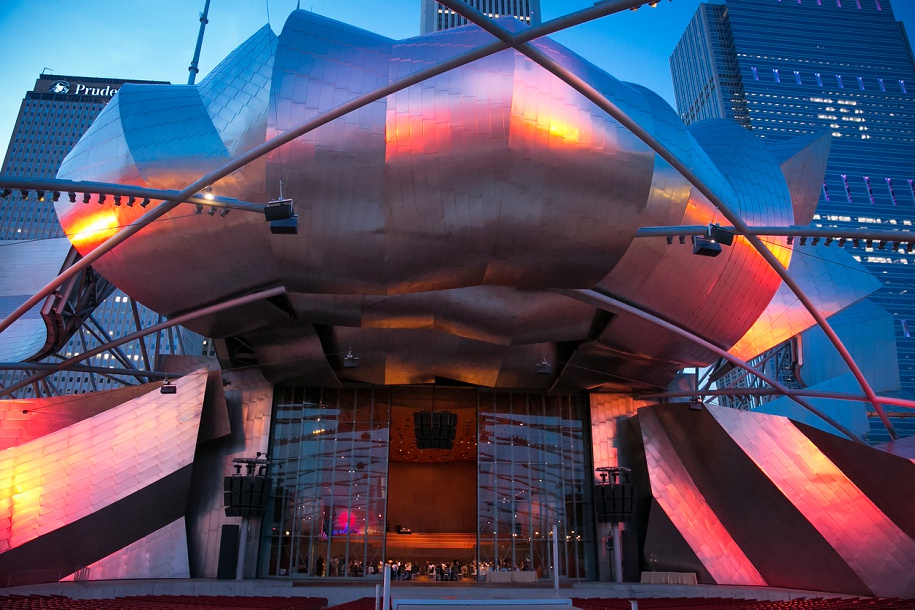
{"x":154,"y":39}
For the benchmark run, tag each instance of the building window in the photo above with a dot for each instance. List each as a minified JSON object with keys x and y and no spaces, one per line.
{"x":870,"y":192}
{"x":847,"y":190}
{"x":889,"y":187}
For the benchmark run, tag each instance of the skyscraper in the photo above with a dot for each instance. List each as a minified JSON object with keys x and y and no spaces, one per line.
{"x":787,"y":69}
{"x":52,"y":118}
{"x":434,"y":17}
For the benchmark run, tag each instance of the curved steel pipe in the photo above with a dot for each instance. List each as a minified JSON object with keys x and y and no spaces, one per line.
{"x":611,"y":303}
{"x":204,"y":311}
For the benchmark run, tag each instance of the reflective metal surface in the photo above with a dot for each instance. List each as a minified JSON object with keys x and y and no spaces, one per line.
{"x":434,"y":222}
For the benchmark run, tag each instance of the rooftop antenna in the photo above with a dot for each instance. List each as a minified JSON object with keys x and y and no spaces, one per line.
{"x":48,"y":69}
{"x":203,"y":24}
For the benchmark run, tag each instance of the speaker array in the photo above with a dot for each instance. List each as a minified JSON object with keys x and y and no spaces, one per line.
{"x":246,"y":496}
{"x":435,"y":429}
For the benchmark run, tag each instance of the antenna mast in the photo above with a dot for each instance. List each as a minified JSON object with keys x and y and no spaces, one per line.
{"x":203,"y":24}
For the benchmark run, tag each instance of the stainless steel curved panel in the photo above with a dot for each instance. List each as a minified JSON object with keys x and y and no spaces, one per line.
{"x":433,"y":223}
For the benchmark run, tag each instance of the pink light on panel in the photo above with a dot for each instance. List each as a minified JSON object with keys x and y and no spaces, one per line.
{"x":878,"y":551}
{"x":675,"y":491}
{"x":75,"y":471}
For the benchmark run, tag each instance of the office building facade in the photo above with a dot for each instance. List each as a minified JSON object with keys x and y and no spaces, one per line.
{"x":52,"y":118}
{"x":434,"y":17}
{"x":788,"y":69}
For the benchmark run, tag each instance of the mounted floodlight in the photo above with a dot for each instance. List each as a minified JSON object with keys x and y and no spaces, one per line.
{"x":804,"y":241}
{"x":130,"y":201}
{"x":281,"y":209}
{"x":350,"y":361}
{"x":71,"y":197}
{"x":224,"y":212}
{"x":705,"y":247}
{"x":199,"y":208}
{"x":208,"y":193}
{"x":87,"y":197}
{"x":281,"y":216}
{"x":815,"y":241}
{"x":145,"y":202}
{"x":212,"y":211}
{"x":791,"y":240}
{"x":117,"y":201}
{"x":24,"y":193}
{"x":40,"y":195}
{"x":5,"y":193}
{"x":101,"y":198}
{"x":544,"y":367}
{"x":720,"y":234}
{"x":55,"y":196}
{"x":168,"y":388}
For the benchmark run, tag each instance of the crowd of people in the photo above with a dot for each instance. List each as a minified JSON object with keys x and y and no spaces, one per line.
{"x":409,"y":570}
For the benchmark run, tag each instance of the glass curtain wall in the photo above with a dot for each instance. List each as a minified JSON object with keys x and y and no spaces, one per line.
{"x":534,"y":473}
{"x":329,"y":460}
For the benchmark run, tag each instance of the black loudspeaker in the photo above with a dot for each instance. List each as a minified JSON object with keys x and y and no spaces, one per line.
{"x":246,"y":496}
{"x":614,"y":502}
{"x":228,"y":552}
{"x":435,"y":429}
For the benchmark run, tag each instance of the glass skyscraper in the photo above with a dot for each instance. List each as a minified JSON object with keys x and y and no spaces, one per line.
{"x":52,"y":118}
{"x":434,"y":17}
{"x":790,"y":68}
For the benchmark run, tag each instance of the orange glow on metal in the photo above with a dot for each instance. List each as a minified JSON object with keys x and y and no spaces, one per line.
{"x":87,"y":232}
{"x":866,"y":539}
{"x":70,"y":473}
{"x":676,"y":492}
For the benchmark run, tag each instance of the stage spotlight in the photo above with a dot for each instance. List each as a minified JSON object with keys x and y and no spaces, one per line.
{"x":145,"y":202}
{"x":117,"y":200}
{"x":101,"y":198}
{"x":87,"y":197}
{"x":791,"y":240}
{"x":39,"y":195}
{"x":130,"y":201}
{"x":24,"y":193}
{"x":212,"y":211}
{"x":829,"y":241}
{"x":71,"y":197}
{"x":5,"y":193}
{"x":804,"y":241}
{"x":670,"y":239}
{"x":199,"y":208}
{"x":815,"y":241}
{"x":224,"y":212}
{"x":55,"y":196}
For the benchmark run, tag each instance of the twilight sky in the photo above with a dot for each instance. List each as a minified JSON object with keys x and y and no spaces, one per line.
{"x":154,"y":39}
